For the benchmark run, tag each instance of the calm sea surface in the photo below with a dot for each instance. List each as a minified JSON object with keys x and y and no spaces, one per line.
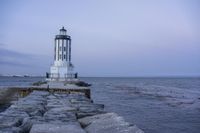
{"x":156,"y":105}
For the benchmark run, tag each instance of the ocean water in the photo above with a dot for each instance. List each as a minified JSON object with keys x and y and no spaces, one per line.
{"x":156,"y":105}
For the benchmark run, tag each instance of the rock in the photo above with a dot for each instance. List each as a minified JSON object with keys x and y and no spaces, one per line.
{"x":40,"y":93}
{"x":57,"y":128}
{"x":39,"y":83}
{"x":82,"y":84}
{"x":59,"y":117}
{"x":37,"y":119}
{"x":14,"y":113}
{"x":108,"y":123}
{"x":51,"y":97}
{"x":7,"y":122}
{"x":26,"y":125}
{"x":88,"y":120}
{"x":38,"y":112}
{"x":8,"y":130}
{"x":64,"y":109}
{"x":53,"y":105}
{"x":79,"y":101}
{"x":78,"y":97}
{"x":89,"y":109}
{"x":30,"y":106}
{"x":44,"y":112}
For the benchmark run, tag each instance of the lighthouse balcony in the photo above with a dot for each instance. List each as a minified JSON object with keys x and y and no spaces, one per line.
{"x":62,"y":37}
{"x":59,"y":77}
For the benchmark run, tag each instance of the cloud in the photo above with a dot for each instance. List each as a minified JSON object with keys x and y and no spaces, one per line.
{"x":9,"y":63}
{"x":13,"y":62}
{"x":14,"y":58}
{"x":13,"y":54}
{"x":2,"y":44}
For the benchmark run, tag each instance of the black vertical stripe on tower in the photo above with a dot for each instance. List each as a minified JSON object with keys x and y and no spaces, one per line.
{"x":66,"y":49}
{"x":62,"y":48}
{"x":58,"y":49}
{"x":70,"y":50}
{"x":55,"y":50}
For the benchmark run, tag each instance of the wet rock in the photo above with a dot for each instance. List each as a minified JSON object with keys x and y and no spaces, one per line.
{"x":82,"y":84}
{"x":30,"y":109}
{"x":26,"y":125}
{"x":57,"y":102}
{"x":11,"y":118}
{"x":14,"y":113}
{"x":57,"y":128}
{"x":7,"y":122}
{"x":39,"y":83}
{"x":61,"y":95}
{"x":107,"y":123}
{"x":33,"y":104}
{"x":63,"y":117}
{"x":51,"y":97}
{"x":12,"y":124}
{"x":38,"y":112}
{"x":78,"y":97}
{"x":54,"y":105}
{"x":8,"y":130}
{"x":37,"y":120}
{"x":80,"y":100}
{"x":40,"y":93}
{"x":89,"y":110}
{"x":64,"y":109}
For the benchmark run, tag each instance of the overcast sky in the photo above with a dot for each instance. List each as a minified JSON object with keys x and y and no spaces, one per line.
{"x":109,"y":37}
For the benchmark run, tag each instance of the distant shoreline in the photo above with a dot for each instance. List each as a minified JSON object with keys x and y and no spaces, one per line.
{"x":27,"y":76}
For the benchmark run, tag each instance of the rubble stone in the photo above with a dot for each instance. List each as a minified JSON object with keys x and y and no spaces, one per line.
{"x":107,"y":123}
{"x":44,"y":112}
{"x":57,"y":128}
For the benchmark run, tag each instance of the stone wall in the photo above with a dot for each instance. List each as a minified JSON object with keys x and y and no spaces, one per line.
{"x":44,"y":112}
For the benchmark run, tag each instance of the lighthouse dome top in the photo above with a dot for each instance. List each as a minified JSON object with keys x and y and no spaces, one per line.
{"x":63,"y":31}
{"x":63,"y":34}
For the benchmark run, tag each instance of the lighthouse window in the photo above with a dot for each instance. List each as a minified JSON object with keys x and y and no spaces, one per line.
{"x":60,"y":56}
{"x":64,"y":56}
{"x":60,"y":48}
{"x":64,"y":48}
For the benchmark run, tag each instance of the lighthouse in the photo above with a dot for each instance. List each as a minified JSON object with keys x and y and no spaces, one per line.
{"x":62,"y":68}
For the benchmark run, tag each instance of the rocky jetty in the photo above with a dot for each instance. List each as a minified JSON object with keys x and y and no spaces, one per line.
{"x":47,"y":112}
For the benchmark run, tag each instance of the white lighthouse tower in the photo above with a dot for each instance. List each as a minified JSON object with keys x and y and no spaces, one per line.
{"x":62,"y":68}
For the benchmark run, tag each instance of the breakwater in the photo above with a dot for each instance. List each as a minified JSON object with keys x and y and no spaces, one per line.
{"x":54,"y":107}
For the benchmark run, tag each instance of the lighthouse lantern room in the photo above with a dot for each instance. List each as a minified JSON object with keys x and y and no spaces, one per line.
{"x":62,"y":68}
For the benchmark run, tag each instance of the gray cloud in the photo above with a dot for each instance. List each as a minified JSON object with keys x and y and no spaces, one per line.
{"x":13,"y":54}
{"x":9,"y":57}
{"x":15,"y":62}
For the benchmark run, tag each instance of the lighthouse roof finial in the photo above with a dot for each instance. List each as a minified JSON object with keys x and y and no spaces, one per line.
{"x":63,"y":29}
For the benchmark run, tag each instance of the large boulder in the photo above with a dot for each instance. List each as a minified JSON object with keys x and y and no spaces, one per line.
{"x":57,"y":128}
{"x":55,"y":117}
{"x":89,"y":109}
{"x":108,"y":123}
